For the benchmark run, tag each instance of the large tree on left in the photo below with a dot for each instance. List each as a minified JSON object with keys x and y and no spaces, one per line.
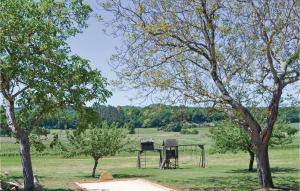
{"x":38,"y":72}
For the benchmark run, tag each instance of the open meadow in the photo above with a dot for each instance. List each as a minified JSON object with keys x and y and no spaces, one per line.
{"x":223,"y":171}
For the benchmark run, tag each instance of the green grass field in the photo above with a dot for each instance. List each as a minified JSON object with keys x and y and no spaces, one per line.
{"x":223,"y":171}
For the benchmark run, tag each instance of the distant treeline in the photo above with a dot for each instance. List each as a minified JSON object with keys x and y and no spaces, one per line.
{"x":138,"y":117}
{"x":161,"y":116}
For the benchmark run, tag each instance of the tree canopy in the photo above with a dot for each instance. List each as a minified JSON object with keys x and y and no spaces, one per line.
{"x":101,"y":141}
{"x":38,"y":72}
{"x":230,"y":138}
{"x":228,"y":54}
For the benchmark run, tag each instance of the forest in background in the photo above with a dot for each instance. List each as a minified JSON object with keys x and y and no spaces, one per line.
{"x":163,"y":117}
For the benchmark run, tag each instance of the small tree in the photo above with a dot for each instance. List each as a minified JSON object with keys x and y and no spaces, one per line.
{"x":97,"y":142}
{"x":130,"y":127}
{"x":4,"y":129}
{"x":229,"y":138}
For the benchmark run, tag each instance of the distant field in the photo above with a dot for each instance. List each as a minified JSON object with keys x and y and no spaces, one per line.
{"x":223,"y":170}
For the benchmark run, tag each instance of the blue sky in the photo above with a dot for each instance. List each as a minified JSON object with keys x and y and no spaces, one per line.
{"x":93,"y":44}
{"x":98,"y":47}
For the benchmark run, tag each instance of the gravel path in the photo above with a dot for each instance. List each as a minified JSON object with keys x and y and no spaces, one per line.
{"x":123,"y":185}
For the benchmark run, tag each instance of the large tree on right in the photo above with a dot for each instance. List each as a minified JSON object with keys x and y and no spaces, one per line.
{"x":228,"y":54}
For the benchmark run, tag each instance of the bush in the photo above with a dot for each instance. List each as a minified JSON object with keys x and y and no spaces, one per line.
{"x":189,"y":131}
{"x":5,"y":132}
{"x":40,"y":131}
{"x":37,"y":143}
{"x":3,"y":181}
{"x":207,"y":125}
{"x":7,"y":184}
{"x":189,"y":125}
{"x":171,"y":127}
{"x":130,"y":127}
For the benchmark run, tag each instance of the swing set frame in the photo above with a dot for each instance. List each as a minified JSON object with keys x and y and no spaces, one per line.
{"x":165,"y":151}
{"x":202,"y":161}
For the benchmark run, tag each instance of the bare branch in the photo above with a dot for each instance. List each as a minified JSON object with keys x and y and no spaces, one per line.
{"x":19,"y":92}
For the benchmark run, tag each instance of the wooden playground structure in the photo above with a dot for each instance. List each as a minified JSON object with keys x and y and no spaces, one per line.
{"x":146,"y":146}
{"x":168,"y":153}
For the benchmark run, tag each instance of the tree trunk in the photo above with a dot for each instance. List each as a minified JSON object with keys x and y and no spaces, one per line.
{"x":22,"y":136}
{"x":263,"y":166}
{"x":95,"y":167}
{"x":26,"y":161}
{"x":251,"y":153}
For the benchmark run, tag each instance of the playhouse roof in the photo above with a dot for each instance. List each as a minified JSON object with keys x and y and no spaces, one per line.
{"x":170,"y":143}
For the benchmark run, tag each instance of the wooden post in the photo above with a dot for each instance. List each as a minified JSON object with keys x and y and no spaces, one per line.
{"x":145,"y":158}
{"x":160,"y":158}
{"x":202,"y":156}
{"x":139,"y":159}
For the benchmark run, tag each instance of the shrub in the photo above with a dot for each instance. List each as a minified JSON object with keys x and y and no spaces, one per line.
{"x":171,"y":127}
{"x":187,"y":125}
{"x":189,"y":131}
{"x":101,"y":141}
{"x":130,"y":127}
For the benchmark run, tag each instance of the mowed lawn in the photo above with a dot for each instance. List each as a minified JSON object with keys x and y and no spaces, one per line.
{"x":224,"y":171}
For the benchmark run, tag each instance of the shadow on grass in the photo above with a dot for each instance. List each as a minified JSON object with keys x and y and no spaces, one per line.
{"x":143,"y":168}
{"x":287,"y":183}
{"x":288,"y":188}
{"x":130,"y":176}
{"x":273,"y":170}
{"x":281,"y":182}
{"x":87,"y":176}
{"x":283,"y":170}
{"x":240,"y":183}
{"x":19,"y":177}
{"x":15,"y":177}
{"x":114,"y":175}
